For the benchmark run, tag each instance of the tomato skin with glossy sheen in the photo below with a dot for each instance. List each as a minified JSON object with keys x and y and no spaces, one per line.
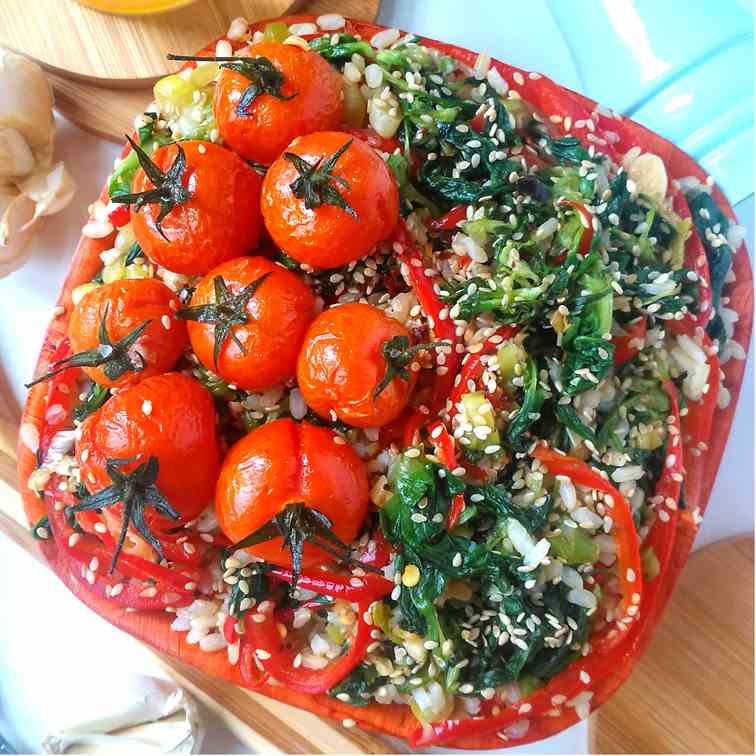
{"x":284,"y":462}
{"x":280,"y":311}
{"x":327,"y":236}
{"x":220,"y":221}
{"x":341,"y":363}
{"x":129,"y":303}
{"x":269,"y":124}
{"x":169,"y":416}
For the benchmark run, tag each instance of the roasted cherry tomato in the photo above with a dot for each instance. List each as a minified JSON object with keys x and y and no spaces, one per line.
{"x":160,"y":436}
{"x":329,"y":199}
{"x":298,"y":469}
{"x":258,"y":124}
{"x":212,"y":201}
{"x":248,"y":318}
{"x":356,"y":362}
{"x":144,"y":308}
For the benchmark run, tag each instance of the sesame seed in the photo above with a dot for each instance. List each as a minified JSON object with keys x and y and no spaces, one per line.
{"x":147,"y":407}
{"x":166,"y":322}
{"x":117,"y":589}
{"x":349,"y":723}
{"x":630,"y":575}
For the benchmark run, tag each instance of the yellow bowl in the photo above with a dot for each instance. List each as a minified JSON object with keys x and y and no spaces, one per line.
{"x":135,"y":7}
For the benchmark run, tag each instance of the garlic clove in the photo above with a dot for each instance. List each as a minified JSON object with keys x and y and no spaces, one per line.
{"x":650,"y":176}
{"x":16,"y":211}
{"x":51,"y":190}
{"x":16,"y":157}
{"x":26,"y":102}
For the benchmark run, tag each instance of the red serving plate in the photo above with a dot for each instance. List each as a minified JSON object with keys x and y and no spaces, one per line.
{"x":153,"y":628}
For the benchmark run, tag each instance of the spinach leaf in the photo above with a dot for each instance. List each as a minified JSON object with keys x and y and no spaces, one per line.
{"x":529,"y":411}
{"x":706,"y":215}
{"x":359,"y":685}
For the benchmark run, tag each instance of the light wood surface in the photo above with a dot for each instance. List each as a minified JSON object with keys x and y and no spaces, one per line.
{"x":109,"y":113}
{"x":693,"y":690}
{"x":119,"y":51}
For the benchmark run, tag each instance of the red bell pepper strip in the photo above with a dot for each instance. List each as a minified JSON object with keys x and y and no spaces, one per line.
{"x":368,"y":587}
{"x":630,"y":343}
{"x":61,"y":397}
{"x":378,"y":551}
{"x":120,"y":216}
{"x":372,"y":137}
{"x":661,"y":537}
{"x":88,"y":562}
{"x":443,"y":328}
{"x":473,"y":366}
{"x":444,"y":444}
{"x":579,"y":677}
{"x":623,"y":531}
{"x":449,"y":221}
{"x":586,"y":221}
{"x":264,"y":647}
{"x":263,"y":644}
{"x":697,"y":424}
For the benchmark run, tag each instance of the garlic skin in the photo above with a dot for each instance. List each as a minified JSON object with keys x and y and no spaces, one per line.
{"x":30,"y":186}
{"x":150,"y":715}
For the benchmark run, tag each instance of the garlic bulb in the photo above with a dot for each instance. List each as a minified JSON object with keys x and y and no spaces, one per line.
{"x":30,"y":186}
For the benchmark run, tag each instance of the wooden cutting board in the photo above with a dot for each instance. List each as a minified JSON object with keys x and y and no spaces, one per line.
{"x":693,"y":690}
{"x":109,"y":112}
{"x":119,"y":51}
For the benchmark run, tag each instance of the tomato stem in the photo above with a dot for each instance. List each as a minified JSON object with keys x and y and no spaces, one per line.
{"x":227,"y":311}
{"x":298,"y":524}
{"x":317,"y":185}
{"x":134,"y":490}
{"x":265,"y":78}
{"x":115,"y":359}
{"x":398,"y":353}
{"x":168,"y":188}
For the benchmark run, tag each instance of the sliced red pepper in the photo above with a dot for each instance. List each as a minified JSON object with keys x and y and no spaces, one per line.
{"x":62,"y":395}
{"x":442,"y":327}
{"x":80,"y":551}
{"x":449,"y":221}
{"x":661,"y":537}
{"x":555,"y":696}
{"x":378,"y":551}
{"x":264,"y":647}
{"x":697,"y":424}
{"x":444,"y":444}
{"x":629,"y":572}
{"x":119,"y":216}
{"x":373,"y":138}
{"x":473,"y":366}
{"x":229,"y":629}
{"x":586,"y":221}
{"x":630,"y":343}
{"x":368,"y":587}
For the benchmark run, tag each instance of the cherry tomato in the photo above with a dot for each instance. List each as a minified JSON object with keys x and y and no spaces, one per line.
{"x":126,"y":305}
{"x":220,"y":219}
{"x":277,"y":314}
{"x":342,"y":364}
{"x":285,"y":462}
{"x":311,"y":99}
{"x":325,"y":235}
{"x":170,"y":417}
